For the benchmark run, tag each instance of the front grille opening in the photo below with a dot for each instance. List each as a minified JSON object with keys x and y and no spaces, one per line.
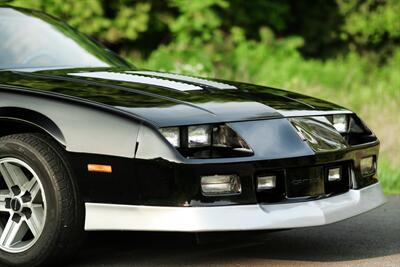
{"x":305,"y":183}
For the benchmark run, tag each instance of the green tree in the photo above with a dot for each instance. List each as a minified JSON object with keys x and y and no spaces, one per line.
{"x":109,"y":21}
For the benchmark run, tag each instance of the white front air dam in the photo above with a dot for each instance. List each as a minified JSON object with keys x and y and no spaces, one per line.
{"x":233,"y":218}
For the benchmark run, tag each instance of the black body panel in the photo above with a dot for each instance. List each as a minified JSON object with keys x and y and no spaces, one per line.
{"x":162,"y":183}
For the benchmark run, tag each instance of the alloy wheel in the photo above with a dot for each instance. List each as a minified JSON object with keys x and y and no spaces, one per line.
{"x":22,"y":206}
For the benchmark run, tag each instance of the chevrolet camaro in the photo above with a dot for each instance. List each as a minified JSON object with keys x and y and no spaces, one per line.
{"x":88,"y":142}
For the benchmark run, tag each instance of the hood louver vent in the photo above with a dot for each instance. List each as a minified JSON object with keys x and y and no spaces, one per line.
{"x":184,"y":78}
{"x":127,"y":77}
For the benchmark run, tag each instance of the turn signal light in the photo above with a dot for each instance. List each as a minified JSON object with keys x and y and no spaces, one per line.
{"x":99,"y":168}
{"x":368,"y":166}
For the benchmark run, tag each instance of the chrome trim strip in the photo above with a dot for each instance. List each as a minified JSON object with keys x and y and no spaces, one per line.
{"x":127,"y":77}
{"x":233,"y":218}
{"x":184,"y":78}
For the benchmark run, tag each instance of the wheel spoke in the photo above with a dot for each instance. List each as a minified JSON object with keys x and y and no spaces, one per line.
{"x":3,"y":206}
{"x":13,"y":233}
{"x":36,"y":220}
{"x":13,"y":175}
{"x":6,"y":176}
{"x":32,"y":187}
{"x":4,"y":194}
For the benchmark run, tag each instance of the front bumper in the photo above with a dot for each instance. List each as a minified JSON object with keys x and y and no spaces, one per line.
{"x":234,"y":217}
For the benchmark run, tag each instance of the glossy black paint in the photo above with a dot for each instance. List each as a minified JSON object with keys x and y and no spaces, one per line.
{"x":162,"y":183}
{"x":248,"y":102}
{"x":111,"y":122}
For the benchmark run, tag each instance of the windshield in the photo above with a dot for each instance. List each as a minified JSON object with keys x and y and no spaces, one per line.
{"x":35,"y":40}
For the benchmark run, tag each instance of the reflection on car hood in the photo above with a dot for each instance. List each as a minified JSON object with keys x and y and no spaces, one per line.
{"x":169,"y":99}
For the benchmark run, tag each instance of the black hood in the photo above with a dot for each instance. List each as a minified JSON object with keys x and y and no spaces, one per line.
{"x":169,"y":99}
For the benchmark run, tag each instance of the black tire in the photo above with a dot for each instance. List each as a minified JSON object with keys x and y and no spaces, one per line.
{"x":64,"y":224}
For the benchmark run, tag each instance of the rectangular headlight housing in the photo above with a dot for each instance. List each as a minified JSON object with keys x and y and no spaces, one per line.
{"x":217,"y":185}
{"x":368,"y":166}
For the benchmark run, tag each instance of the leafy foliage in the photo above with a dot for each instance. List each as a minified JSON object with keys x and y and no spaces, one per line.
{"x":328,"y":27}
{"x":371,"y":24}
{"x":371,"y":21}
{"x":112,"y":23}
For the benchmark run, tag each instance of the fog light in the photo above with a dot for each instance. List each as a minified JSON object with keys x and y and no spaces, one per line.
{"x":334,"y":174}
{"x":266,"y":182}
{"x":368,"y":166}
{"x":220,"y":185}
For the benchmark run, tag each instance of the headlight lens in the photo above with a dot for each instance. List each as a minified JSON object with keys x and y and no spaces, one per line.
{"x":199,"y":135}
{"x":350,"y":126}
{"x":224,"y":136}
{"x":341,"y":122}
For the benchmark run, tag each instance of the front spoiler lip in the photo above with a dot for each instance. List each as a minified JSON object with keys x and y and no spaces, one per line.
{"x":233,"y":218}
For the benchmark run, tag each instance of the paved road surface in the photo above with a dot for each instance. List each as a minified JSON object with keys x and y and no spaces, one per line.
{"x":371,"y":239}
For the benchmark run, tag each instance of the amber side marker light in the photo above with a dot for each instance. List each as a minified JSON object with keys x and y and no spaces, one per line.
{"x":99,"y":168}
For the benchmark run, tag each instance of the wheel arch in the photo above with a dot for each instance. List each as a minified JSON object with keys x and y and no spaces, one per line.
{"x":15,"y":120}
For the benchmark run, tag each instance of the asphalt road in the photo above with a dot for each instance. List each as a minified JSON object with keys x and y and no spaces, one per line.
{"x":371,"y":239}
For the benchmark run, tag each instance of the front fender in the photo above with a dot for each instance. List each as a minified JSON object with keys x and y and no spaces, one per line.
{"x":80,"y":128}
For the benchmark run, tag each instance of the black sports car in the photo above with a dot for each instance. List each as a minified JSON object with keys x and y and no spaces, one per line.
{"x":89,"y":142}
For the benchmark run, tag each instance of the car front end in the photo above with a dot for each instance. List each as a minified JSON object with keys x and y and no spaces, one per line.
{"x":180,"y":153}
{"x":279,"y":173}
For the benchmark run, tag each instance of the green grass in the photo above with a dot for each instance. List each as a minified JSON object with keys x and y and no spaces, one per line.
{"x":389,"y":177}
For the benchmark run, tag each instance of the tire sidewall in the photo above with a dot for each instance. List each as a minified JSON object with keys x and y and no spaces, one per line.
{"x":43,"y":246}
